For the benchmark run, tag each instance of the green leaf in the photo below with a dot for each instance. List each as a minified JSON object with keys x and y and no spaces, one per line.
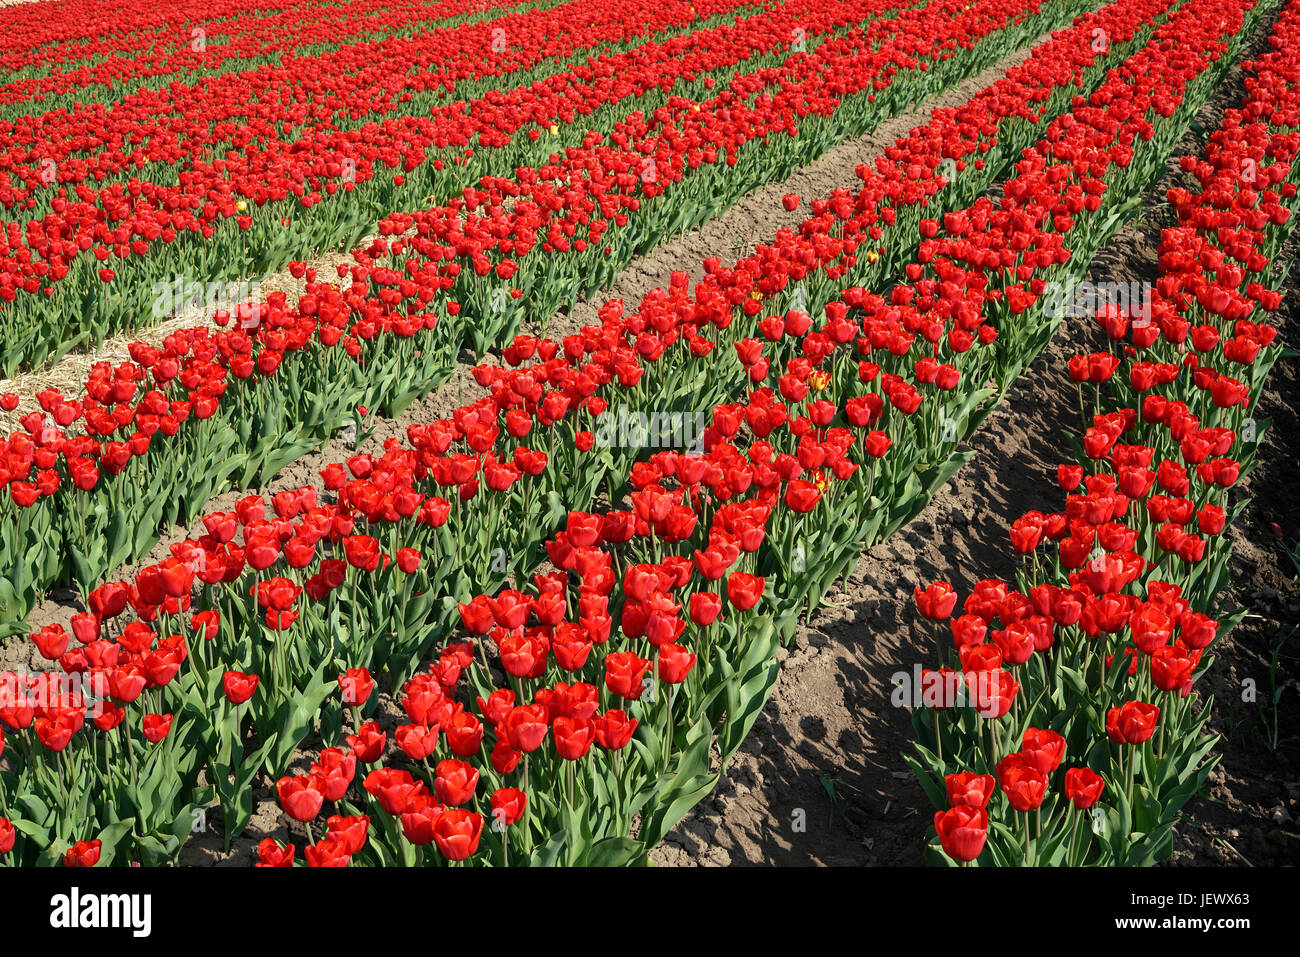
{"x":549,"y":853}
{"x":617,"y":852}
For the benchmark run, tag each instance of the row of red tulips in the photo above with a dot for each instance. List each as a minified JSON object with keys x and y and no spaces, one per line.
{"x":1096,"y":649}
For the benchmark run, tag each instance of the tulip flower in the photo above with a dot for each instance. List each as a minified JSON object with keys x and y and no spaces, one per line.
{"x":300,"y":797}
{"x":962,"y":831}
{"x":368,"y":743}
{"x":744,"y":590}
{"x":455,"y":781}
{"x":393,"y":788}
{"x":1023,"y":783}
{"x":1083,"y":787}
{"x":270,"y":853}
{"x":968,"y":789}
{"x":356,"y":686}
{"x":1132,"y":723}
{"x":456,"y":833}
{"x":83,"y":854}
{"x":1043,"y":749}
{"x":156,"y":726}
{"x":419,"y":817}
{"x":327,"y":853}
{"x":238,"y":687}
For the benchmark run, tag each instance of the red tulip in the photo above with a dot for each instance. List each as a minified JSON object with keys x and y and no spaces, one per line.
{"x":744,"y":590}
{"x":239,"y":687}
{"x":465,"y":735}
{"x":368,"y":743}
{"x":1132,"y":723}
{"x":455,"y":781}
{"x":1023,"y":784}
{"x":614,"y":729}
{"x":625,"y":674}
{"x":1043,"y":749}
{"x":416,"y":740}
{"x":83,"y":854}
{"x":969,"y":789}
{"x":300,"y":797}
{"x":1172,"y":667}
{"x":962,"y":831}
{"x":357,"y":686}
{"x":457,"y":832}
{"x":1083,"y":787}
{"x":327,"y":853}
{"x":419,"y":817}
{"x":393,"y":788}
{"x":573,"y":737}
{"x":508,"y":805}
{"x":675,"y":663}
{"x":936,"y":602}
{"x":704,"y":608}
{"x":351,"y":832}
{"x":156,"y":726}
{"x":334,"y":772}
{"x":271,"y":854}
{"x":526,"y":727}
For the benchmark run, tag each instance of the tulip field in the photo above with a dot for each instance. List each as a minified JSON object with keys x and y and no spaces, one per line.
{"x":353,"y":515}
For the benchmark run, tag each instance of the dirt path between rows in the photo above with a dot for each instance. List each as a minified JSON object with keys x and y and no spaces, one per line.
{"x":828,"y":743}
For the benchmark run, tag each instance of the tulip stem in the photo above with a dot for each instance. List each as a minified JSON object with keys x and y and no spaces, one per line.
{"x":282,"y":646}
{"x":1102,"y":690}
{"x":460,"y":546}
{"x":523,"y":818}
{"x":1160,"y":743}
{"x":406,"y":590}
{"x":1074,"y":831}
{"x":356,"y":600}
{"x":668,"y":729}
{"x":135,"y":774}
{"x":201,"y":657}
{"x":63,"y":778}
{"x":617,"y":757}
